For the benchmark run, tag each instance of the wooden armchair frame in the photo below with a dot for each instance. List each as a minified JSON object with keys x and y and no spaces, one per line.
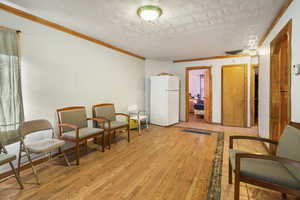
{"x":109,"y":129}
{"x":239,"y":178}
{"x":77,"y":129}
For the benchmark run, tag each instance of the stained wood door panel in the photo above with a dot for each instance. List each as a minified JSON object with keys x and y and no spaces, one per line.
{"x":234,"y":95}
{"x":208,"y":96}
{"x":280,"y":83}
{"x":284,"y":73}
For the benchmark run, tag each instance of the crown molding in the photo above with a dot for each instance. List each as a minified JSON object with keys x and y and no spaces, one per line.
{"x":275,"y":21}
{"x":211,"y":58}
{"x":53,"y":25}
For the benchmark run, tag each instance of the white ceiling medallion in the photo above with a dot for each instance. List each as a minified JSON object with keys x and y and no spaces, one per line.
{"x":150,"y":11}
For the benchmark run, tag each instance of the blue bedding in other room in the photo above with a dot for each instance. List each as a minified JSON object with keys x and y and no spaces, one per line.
{"x":199,"y":105}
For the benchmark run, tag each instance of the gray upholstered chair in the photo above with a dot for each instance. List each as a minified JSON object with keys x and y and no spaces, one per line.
{"x":6,"y":158}
{"x":280,"y":172}
{"x":107,"y":112}
{"x":73,"y":127}
{"x":39,"y":146}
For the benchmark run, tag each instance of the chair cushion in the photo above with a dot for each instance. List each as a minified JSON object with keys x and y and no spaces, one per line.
{"x":289,"y":147}
{"x":76,"y":117}
{"x":5,"y":158}
{"x":264,"y":170}
{"x":107,"y":111}
{"x":83,"y":133}
{"x":45,"y":145}
{"x":115,"y":124}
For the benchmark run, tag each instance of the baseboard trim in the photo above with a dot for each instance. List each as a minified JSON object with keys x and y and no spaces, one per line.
{"x":295,"y":124}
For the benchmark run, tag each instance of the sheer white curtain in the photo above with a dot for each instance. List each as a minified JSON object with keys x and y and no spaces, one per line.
{"x":11,"y":106}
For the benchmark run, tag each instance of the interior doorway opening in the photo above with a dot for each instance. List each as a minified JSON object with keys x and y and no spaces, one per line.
{"x":198,"y":92}
{"x":254,"y":94}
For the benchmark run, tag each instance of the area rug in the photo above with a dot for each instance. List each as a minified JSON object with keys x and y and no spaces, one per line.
{"x":214,"y":189}
{"x":196,"y":131}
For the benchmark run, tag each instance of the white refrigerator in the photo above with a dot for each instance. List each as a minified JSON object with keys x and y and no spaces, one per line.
{"x":164,"y":100}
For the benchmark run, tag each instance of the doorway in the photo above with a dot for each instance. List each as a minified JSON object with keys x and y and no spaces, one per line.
{"x":280,"y":93}
{"x":198,"y":94}
{"x":254,"y":94}
{"x":234,"y":95}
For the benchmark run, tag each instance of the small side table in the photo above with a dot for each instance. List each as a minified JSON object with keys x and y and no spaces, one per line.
{"x":140,"y":116}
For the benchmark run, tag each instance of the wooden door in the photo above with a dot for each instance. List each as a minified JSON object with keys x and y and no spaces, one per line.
{"x":234,"y":95}
{"x":280,"y":83}
{"x":208,"y":96}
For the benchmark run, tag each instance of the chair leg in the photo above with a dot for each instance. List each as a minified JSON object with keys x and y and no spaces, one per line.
{"x":128,"y":129}
{"x":66,"y":159}
{"x":103,"y":142}
{"x":283,"y":196}
{"x":19,"y":159}
{"x":65,"y":156}
{"x":32,"y":166}
{"x":139,"y":126}
{"x":230,"y":173}
{"x":237,"y":187}
{"x":86,"y":146}
{"x":77,"y":152}
{"x":109,"y":139}
{"x":16,"y":175}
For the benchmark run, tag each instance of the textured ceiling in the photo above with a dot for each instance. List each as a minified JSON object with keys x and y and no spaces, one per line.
{"x":187,"y":28}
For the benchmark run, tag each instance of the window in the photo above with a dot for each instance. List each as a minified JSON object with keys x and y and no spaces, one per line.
{"x":11,"y":106}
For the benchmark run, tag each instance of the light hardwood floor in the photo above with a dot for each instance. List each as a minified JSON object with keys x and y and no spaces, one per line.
{"x":248,"y":192}
{"x":163,"y":163}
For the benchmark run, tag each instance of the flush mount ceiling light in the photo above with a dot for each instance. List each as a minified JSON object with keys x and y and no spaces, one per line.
{"x":149,"y":12}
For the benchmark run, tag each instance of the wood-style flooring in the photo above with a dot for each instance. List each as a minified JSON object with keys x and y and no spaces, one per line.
{"x":163,"y":163}
{"x":248,"y":192}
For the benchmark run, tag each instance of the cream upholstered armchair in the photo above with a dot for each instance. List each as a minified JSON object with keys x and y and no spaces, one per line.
{"x":73,"y":127}
{"x":107,"y":112}
{"x":280,"y":172}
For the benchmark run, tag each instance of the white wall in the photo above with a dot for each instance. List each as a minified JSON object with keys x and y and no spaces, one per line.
{"x":152,"y":68}
{"x":264,"y":103}
{"x":60,"y":70}
{"x":194,"y":78}
{"x":216,"y":64}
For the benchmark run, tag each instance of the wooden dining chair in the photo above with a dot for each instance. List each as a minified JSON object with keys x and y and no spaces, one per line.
{"x":107,"y":112}
{"x":280,"y":172}
{"x":73,"y":127}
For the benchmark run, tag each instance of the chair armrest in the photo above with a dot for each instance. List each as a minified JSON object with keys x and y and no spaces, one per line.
{"x":239,"y":137}
{"x":76,"y":128}
{"x":101,"y":120}
{"x":282,"y":160}
{"x":123,"y":114}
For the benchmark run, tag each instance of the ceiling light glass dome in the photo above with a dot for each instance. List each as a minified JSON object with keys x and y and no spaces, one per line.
{"x":149,"y":12}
